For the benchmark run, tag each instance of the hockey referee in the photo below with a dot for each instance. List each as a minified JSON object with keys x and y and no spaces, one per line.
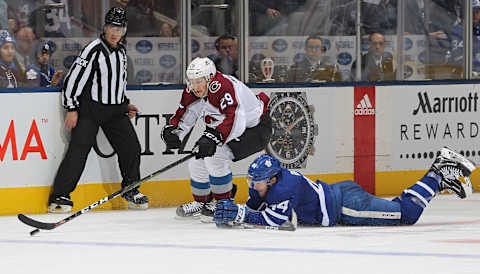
{"x":94,"y":95}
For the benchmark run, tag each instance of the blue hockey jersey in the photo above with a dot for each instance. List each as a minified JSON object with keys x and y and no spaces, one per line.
{"x":311,"y":201}
{"x":45,"y":75}
{"x":456,"y":38}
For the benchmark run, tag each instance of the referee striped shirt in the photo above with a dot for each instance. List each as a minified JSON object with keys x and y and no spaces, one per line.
{"x":99,"y":72}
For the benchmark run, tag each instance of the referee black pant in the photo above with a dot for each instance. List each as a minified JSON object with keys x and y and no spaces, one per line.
{"x":120,"y":133}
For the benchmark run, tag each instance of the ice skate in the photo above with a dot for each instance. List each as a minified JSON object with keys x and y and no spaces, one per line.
{"x":453,"y":167}
{"x":207,"y":211}
{"x":60,"y":205}
{"x":136,"y":200}
{"x":190,"y":210}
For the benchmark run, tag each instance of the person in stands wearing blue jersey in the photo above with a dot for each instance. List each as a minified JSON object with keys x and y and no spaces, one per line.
{"x":280,"y":197}
{"x":43,"y":69}
{"x":456,"y":55}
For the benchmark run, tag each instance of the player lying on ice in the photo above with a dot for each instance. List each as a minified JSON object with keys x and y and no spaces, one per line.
{"x":279,"y":196}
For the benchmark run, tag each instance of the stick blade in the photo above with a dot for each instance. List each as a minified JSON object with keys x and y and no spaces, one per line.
{"x":33,"y":223}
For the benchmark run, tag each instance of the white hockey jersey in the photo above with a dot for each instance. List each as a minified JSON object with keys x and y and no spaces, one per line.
{"x":230,"y":108}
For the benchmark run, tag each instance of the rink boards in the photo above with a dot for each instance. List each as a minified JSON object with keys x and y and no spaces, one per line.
{"x":383,"y":137}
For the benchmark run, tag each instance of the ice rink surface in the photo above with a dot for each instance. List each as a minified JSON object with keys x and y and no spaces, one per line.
{"x":445,"y":240}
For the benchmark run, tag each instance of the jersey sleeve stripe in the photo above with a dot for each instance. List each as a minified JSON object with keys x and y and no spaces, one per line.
{"x":426,"y":187}
{"x":371,"y":214}
{"x":276,"y":215}
{"x":323,"y":204}
{"x":268,"y":220}
{"x":73,"y":85}
{"x":416,"y":194}
{"x":323,"y":207}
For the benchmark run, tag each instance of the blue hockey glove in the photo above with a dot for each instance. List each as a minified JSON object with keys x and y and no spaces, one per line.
{"x":227,"y":213}
{"x":207,"y":144}
{"x":170,"y":137}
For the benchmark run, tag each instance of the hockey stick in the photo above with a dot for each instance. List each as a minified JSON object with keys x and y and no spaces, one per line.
{"x":287,"y":226}
{"x":49,"y":226}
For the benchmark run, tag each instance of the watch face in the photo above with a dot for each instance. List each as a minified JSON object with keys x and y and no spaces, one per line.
{"x":293,"y":129}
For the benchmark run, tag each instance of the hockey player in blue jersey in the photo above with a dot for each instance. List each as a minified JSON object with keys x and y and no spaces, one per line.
{"x":279,"y":197}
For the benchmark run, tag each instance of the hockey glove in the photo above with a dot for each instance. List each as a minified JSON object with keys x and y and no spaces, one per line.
{"x":229,"y":213}
{"x":207,"y":144}
{"x":170,"y":137}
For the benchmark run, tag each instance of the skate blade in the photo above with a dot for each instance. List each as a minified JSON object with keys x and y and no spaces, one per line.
{"x":188,"y":218}
{"x":59,"y":209}
{"x":449,"y":153}
{"x":206,"y":219}
{"x":137,"y":206}
{"x":467,"y":187}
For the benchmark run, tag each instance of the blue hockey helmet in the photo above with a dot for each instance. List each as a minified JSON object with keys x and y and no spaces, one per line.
{"x":475,"y":4}
{"x":6,"y":37}
{"x":263,"y":168}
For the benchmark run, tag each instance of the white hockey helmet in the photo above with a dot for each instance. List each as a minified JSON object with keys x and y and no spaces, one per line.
{"x":201,"y":67}
{"x":198,"y":68}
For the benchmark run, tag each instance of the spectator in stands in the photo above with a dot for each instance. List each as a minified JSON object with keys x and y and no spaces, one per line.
{"x":226,"y":60}
{"x":380,"y":15}
{"x":12,"y":25}
{"x":12,"y":75}
{"x":377,"y":65}
{"x":20,"y":10}
{"x":291,"y":17}
{"x":455,"y":59}
{"x":26,"y":43}
{"x":442,"y":17}
{"x":42,"y":68}
{"x":51,"y":19}
{"x":265,"y":15}
{"x":315,"y":66}
{"x":166,"y":30}
{"x":344,"y":16}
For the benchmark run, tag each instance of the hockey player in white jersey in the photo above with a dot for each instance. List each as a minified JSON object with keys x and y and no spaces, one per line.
{"x":281,"y":197}
{"x":237,"y":126}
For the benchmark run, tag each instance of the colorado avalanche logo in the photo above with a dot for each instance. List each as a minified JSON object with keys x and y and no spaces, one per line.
{"x":214,"y":86}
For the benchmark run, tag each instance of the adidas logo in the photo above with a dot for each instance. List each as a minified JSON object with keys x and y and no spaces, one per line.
{"x":365,"y":107}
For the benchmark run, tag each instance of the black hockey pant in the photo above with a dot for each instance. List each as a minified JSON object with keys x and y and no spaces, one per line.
{"x":252,"y":140}
{"x":120,"y":133}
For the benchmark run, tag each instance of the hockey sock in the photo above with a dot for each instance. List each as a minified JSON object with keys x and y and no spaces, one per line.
{"x":201,"y":191}
{"x":415,"y":198}
{"x":221,"y":187}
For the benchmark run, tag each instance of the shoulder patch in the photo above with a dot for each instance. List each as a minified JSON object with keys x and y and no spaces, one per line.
{"x":81,"y":62}
{"x":214,"y":86}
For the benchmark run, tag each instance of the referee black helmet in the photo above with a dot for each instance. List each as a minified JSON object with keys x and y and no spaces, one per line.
{"x":116,"y":16}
